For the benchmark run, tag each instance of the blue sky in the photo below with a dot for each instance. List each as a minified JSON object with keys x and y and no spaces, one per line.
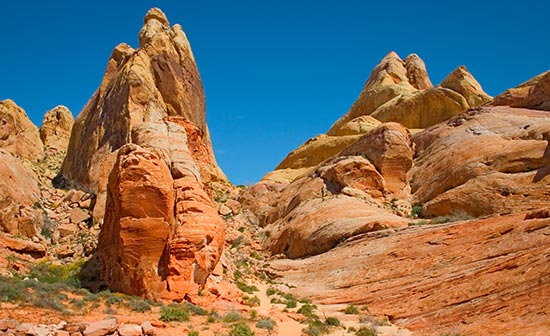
{"x":275,"y":72}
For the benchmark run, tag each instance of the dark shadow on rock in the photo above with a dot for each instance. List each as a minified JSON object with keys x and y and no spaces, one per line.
{"x":90,"y":275}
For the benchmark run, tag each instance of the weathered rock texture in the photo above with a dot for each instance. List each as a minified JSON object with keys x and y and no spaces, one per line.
{"x":19,"y":194}
{"x":396,"y":91}
{"x":18,"y":135}
{"x":482,"y":277}
{"x":156,"y":80}
{"x":363,"y":188}
{"x":486,"y":161}
{"x":533,"y":94}
{"x":55,"y":131}
{"x":162,"y":236}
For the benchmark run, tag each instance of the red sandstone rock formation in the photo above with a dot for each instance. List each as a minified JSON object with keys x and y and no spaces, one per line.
{"x":162,"y":236}
{"x":142,"y":145}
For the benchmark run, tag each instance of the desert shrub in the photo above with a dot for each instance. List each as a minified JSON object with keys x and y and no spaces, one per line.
{"x":271,"y":291}
{"x":246,"y":288}
{"x":315,"y":327}
{"x":332,"y":321}
{"x":265,"y":323}
{"x":139,"y":306}
{"x":350,"y":310}
{"x":416,"y":211}
{"x":307,"y":310}
{"x":195,"y":310}
{"x":174,"y":313}
{"x":240,"y":329}
{"x":252,"y":301}
{"x":10,"y":289}
{"x":292,"y":303}
{"x":193,"y":333}
{"x":46,"y":272}
{"x":366,"y":331}
{"x":232,"y":316}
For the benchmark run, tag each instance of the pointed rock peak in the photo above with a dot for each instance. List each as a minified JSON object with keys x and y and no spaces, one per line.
{"x":390,"y":70}
{"x":392,"y":54}
{"x":154,"y":22}
{"x":462,"y":81}
{"x":416,"y":72}
{"x":156,"y":14}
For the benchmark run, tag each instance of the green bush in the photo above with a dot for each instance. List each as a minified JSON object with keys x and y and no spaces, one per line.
{"x":53,"y":273}
{"x":351,"y":309}
{"x":193,"y":333}
{"x":332,"y":321}
{"x":232,"y":316}
{"x":266,"y":323}
{"x":252,"y":301}
{"x":246,"y":288}
{"x":366,"y":331}
{"x":139,"y":306}
{"x":315,"y":327}
{"x":240,"y":329}
{"x":307,"y":310}
{"x":174,"y":313}
{"x":10,"y":291}
{"x":195,"y":310}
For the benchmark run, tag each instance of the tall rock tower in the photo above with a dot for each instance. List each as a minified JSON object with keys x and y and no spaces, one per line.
{"x":141,"y":144}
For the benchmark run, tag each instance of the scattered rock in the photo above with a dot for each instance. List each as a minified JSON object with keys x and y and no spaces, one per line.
{"x":101,"y":328}
{"x":129,"y":330}
{"x":78,"y":215}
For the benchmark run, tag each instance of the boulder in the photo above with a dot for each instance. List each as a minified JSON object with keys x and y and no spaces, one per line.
{"x":101,"y":328}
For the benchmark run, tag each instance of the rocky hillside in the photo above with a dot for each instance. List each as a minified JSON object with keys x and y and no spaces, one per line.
{"x":424,"y":210}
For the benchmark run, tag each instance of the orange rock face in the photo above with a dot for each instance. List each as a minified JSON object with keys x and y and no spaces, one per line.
{"x":533,"y":94}
{"x":138,"y":223}
{"x":18,"y":135}
{"x":486,"y":161}
{"x":481,"y":277}
{"x":19,"y":192}
{"x":161,"y":229}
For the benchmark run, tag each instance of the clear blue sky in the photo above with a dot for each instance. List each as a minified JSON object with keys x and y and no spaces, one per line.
{"x":275,"y":72}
